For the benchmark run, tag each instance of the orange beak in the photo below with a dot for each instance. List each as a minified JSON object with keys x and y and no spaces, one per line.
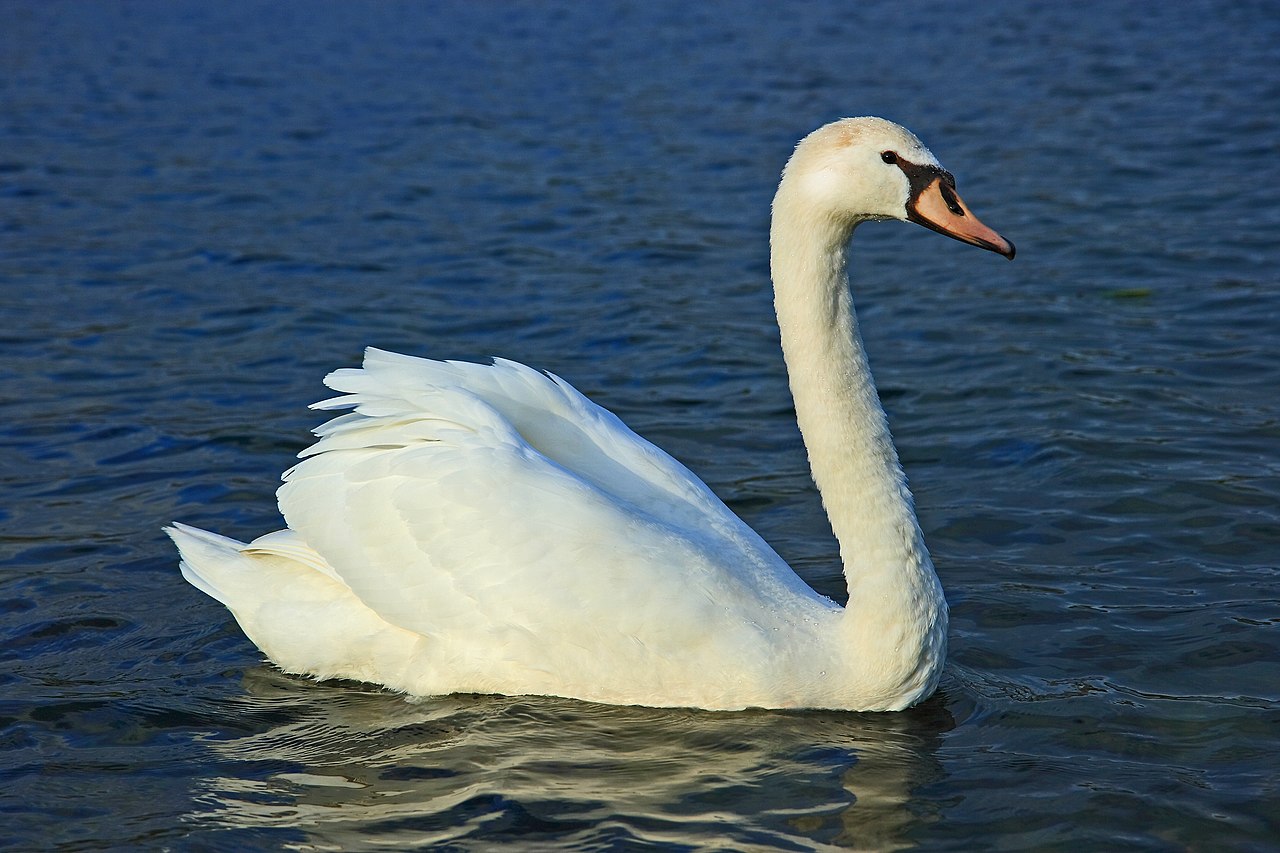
{"x":935,"y":205}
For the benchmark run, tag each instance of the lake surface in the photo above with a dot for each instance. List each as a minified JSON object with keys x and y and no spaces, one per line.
{"x":205,"y":208}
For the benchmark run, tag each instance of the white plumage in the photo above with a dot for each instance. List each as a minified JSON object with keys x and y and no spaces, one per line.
{"x":486,"y":528}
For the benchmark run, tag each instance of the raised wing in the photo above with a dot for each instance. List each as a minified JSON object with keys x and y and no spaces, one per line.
{"x":499,"y":511}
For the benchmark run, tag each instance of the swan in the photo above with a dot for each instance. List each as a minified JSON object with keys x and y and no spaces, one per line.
{"x":485,"y":528}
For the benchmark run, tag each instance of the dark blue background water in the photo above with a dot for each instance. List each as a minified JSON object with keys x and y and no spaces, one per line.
{"x":205,"y":208}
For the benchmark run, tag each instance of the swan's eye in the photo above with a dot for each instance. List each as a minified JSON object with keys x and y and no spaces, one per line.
{"x":889,"y":157}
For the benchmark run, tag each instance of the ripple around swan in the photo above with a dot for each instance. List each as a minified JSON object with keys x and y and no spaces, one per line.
{"x":385,"y":772}
{"x":204,"y":208}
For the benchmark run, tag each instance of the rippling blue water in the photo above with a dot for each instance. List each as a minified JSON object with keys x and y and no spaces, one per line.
{"x":205,"y":208}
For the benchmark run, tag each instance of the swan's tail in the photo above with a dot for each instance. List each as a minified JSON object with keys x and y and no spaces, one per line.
{"x":293,"y":606}
{"x":205,"y":558}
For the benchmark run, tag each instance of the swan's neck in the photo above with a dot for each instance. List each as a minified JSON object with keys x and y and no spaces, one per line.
{"x":894,"y":594}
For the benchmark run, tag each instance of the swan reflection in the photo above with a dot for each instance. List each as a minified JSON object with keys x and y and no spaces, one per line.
{"x":345,"y":766}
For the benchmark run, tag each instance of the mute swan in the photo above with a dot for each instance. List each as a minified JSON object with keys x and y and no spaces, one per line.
{"x":487,"y":529}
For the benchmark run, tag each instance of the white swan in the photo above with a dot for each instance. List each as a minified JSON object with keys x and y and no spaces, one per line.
{"x":487,"y":529}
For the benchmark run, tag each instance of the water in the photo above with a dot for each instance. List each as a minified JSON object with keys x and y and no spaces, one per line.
{"x":204,"y":209}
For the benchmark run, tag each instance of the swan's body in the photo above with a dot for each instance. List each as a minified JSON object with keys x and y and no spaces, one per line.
{"x":488,"y":529}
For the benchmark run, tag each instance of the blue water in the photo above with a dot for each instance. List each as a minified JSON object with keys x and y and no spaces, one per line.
{"x":204,"y":208}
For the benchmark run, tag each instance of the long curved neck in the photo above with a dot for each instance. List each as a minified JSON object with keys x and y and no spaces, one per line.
{"x":851,"y":453}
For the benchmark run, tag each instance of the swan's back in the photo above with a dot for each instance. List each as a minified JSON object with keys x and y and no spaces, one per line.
{"x":398,"y":396}
{"x":535,"y":544}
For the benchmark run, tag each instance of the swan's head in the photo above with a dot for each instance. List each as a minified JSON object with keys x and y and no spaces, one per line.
{"x":859,"y":169}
